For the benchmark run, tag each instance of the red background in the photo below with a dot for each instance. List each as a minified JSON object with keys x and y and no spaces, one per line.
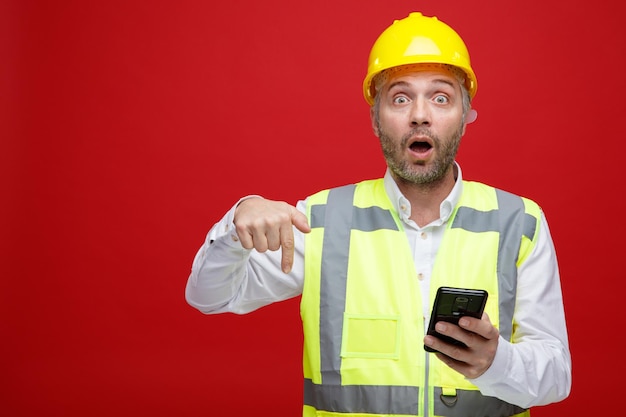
{"x":129,"y":127}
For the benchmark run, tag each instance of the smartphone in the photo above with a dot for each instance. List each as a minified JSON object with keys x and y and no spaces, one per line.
{"x":450,"y":305}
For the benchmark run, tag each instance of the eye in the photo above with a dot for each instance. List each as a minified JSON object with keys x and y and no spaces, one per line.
{"x":400,"y":100}
{"x":441,"y":99}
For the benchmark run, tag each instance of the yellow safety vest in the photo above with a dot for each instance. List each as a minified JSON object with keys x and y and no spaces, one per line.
{"x":361,"y":304}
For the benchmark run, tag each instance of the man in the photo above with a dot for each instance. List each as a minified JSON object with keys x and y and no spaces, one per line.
{"x":368,"y":259}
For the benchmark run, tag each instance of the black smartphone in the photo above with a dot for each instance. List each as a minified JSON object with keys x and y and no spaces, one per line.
{"x":450,"y":305}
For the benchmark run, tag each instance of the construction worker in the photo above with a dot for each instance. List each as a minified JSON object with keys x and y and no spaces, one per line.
{"x":368,"y":258}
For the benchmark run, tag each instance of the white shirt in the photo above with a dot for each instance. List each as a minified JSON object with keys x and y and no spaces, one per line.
{"x":533,"y":370}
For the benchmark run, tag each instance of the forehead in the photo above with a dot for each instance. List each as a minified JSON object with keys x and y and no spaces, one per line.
{"x":423,"y":75}
{"x":418,"y":72}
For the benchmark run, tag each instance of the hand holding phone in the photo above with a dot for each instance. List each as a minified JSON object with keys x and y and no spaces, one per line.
{"x":450,"y":305}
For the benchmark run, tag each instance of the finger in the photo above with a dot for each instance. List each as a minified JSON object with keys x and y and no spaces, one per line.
{"x":251,"y":235}
{"x":287,"y":243}
{"x":245,"y":237}
{"x":469,"y":323}
{"x":455,"y":332}
{"x":300,"y":221}
{"x":259,"y":239}
{"x":244,"y":230}
{"x":272,"y":237}
{"x":482,"y":327}
{"x":431,"y":341}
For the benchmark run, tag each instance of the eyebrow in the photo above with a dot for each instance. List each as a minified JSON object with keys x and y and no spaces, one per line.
{"x":435,"y":81}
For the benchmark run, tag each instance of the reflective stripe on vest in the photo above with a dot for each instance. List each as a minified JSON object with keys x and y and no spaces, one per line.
{"x":477,"y":221}
{"x":401,"y":401}
{"x":334,"y":217}
{"x":338,"y":217}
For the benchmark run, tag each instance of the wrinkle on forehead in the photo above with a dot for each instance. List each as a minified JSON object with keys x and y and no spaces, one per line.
{"x":385,"y":76}
{"x":397,"y":82}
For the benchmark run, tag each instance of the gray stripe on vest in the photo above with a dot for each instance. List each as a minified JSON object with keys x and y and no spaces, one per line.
{"x":402,"y":400}
{"x":511,"y":231}
{"x":334,"y":275}
{"x":468,"y":403}
{"x":367,"y":399}
{"x":530,"y":226}
{"x":506,"y":221}
{"x":365,"y":219}
{"x":318,"y":214}
{"x":339,"y":217}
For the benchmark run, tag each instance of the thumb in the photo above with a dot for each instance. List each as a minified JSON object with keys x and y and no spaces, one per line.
{"x":300,"y":221}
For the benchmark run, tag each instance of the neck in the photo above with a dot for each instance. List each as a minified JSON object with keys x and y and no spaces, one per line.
{"x":426,"y":199}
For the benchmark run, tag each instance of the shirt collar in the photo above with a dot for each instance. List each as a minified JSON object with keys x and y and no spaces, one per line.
{"x":403,"y":206}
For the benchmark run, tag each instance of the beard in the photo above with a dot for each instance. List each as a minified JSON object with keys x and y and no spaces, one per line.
{"x":406,"y":171}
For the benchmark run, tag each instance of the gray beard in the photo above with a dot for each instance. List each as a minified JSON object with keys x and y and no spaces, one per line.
{"x":402,"y":169}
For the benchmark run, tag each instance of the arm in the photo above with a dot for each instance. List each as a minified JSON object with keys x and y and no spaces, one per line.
{"x":228,"y":277}
{"x":535,"y":369}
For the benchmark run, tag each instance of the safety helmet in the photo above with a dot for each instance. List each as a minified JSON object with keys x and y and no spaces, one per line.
{"x":418,"y":39}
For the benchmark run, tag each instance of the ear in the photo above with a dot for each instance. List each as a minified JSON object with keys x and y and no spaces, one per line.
{"x":373,"y":120}
{"x":471,"y":116}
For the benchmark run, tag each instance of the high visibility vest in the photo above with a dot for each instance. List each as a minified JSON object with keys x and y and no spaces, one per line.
{"x":361,"y":304}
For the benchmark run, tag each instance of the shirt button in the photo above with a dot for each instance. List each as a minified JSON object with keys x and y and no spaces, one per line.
{"x":234,"y":238}
{"x":403,"y":208}
{"x":424,"y":235}
{"x":420,"y":276}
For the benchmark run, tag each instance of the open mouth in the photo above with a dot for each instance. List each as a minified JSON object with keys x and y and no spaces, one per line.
{"x":420,"y":147}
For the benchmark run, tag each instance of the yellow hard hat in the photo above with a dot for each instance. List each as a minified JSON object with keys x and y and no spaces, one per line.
{"x":418,"y":39}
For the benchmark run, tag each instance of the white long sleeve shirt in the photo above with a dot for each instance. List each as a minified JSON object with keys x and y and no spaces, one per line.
{"x":535,"y":369}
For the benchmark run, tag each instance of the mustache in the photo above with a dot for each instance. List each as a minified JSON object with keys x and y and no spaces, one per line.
{"x":419,"y":131}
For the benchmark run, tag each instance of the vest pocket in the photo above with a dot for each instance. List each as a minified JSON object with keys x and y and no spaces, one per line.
{"x":370,"y":336}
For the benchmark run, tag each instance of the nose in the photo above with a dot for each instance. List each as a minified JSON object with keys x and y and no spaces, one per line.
{"x":420,"y":114}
